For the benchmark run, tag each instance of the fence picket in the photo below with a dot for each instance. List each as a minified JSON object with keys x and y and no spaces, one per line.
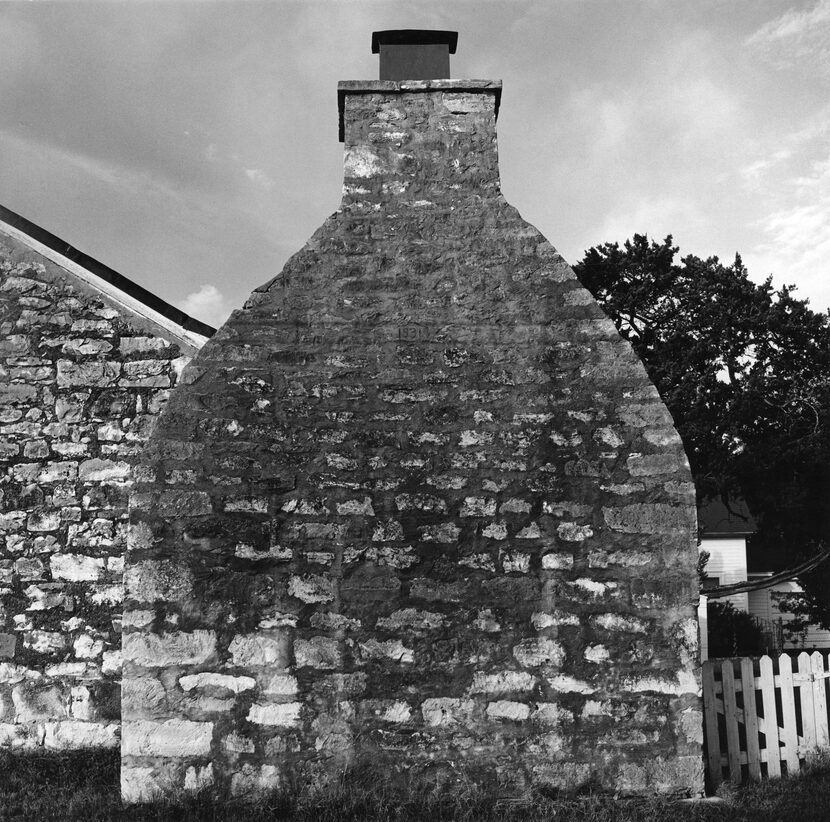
{"x":788,"y":735}
{"x":730,"y":711}
{"x":808,"y":711}
{"x":820,"y":699}
{"x":710,"y":714}
{"x":767,"y":681}
{"x":753,"y":749}
{"x":724,"y":679}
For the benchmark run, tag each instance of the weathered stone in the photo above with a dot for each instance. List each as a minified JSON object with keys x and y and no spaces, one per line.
{"x":152,"y":581}
{"x":531,"y":653}
{"x":257,"y":650}
{"x":284,"y":714}
{"x":317,"y":652}
{"x":237,"y":684}
{"x":654,"y":518}
{"x":506,"y":710}
{"x":502,"y":682}
{"x":421,"y":488}
{"x":76,"y":567}
{"x":98,"y":470}
{"x":178,"y":648}
{"x":444,"y":711}
{"x":71,"y":735}
{"x":173,"y":737}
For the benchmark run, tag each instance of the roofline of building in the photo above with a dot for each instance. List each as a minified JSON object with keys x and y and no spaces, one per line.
{"x":72,"y":259}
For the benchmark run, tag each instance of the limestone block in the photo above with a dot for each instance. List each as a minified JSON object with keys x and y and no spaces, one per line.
{"x":557,"y":562}
{"x":392,"y":649}
{"x":72,"y":734}
{"x":44,"y":642}
{"x":648,"y":518}
{"x":29,"y":568}
{"x":571,"y":532}
{"x":445,"y":711}
{"x":550,"y":713}
{"x":88,"y":647}
{"x":94,"y":374}
{"x":356,"y":507}
{"x":311,"y":588}
{"x":257,"y":650}
{"x":531,"y":653}
{"x":173,"y":737}
{"x":7,"y":645}
{"x":286,"y":714}
{"x":502,"y":682}
{"x":111,"y":662}
{"x":177,"y":648}
{"x":76,"y":567}
{"x":100,"y":470}
{"x":35,"y":701}
{"x":184,"y":504}
{"x":478,"y":507}
{"x":412,"y":619}
{"x":279,"y":685}
{"x":237,"y":684}
{"x":317,"y":652}
{"x":43,"y":521}
{"x":596,"y":654}
{"x":648,"y":465}
{"x":142,"y":697}
{"x":570,"y":685}
{"x":620,"y":622}
{"x":159,"y":580}
{"x":507,"y":710}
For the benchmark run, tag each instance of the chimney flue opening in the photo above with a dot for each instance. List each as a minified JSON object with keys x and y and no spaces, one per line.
{"x":414,"y":54}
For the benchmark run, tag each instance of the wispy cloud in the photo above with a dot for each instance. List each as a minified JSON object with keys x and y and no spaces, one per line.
{"x":207,"y":304}
{"x":259,"y":177}
{"x":132,"y":182}
{"x":797,"y":244}
{"x":799,"y":37}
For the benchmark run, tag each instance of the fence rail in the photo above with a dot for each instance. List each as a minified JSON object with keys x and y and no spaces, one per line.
{"x":761,"y":717}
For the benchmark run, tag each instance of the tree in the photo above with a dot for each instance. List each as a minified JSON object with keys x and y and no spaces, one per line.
{"x":745,"y":372}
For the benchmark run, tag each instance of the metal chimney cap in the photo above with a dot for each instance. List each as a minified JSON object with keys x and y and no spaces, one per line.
{"x":414,"y":37}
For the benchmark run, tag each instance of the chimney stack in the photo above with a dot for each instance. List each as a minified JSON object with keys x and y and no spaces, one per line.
{"x":414,"y":54}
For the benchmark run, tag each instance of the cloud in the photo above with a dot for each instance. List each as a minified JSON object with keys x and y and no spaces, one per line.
{"x":797,"y":244}
{"x":115,"y":175}
{"x":208,"y":304}
{"x":797,"y":38}
{"x":259,"y":177}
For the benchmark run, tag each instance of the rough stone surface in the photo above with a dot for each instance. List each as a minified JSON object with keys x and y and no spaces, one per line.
{"x":409,"y":491}
{"x":73,"y":417}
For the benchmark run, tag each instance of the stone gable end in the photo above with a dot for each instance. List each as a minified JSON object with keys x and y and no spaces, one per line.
{"x":416,"y":503}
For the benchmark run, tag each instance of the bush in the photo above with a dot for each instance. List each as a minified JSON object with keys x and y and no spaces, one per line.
{"x":733,"y":632}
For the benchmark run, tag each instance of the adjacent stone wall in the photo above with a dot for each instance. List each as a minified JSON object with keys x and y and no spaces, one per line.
{"x":415,"y":504}
{"x":82,"y":380}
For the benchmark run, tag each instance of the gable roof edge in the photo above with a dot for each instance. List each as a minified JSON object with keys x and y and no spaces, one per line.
{"x":109,"y":282}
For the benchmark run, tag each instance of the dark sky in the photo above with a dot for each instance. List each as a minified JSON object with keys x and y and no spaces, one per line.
{"x":193,"y":146}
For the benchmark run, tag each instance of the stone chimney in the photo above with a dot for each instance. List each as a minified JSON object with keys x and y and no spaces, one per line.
{"x":416,"y":505}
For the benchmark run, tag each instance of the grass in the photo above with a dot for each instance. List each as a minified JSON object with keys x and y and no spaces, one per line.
{"x":84,"y":786}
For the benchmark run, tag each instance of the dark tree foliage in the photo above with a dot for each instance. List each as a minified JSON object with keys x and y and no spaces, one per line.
{"x":745,"y":372}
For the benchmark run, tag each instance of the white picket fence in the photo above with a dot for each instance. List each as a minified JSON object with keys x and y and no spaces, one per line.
{"x":761,"y":718}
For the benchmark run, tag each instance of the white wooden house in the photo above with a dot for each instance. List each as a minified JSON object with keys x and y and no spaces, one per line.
{"x":725,"y":532}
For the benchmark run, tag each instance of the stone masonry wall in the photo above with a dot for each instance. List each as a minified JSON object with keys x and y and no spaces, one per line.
{"x":415,"y":504}
{"x":81,"y":383}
